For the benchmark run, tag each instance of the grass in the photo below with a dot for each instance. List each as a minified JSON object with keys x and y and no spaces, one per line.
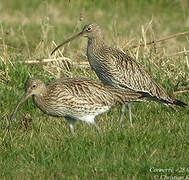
{"x":41,"y":147}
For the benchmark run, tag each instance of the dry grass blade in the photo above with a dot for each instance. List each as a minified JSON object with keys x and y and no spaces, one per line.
{"x":69,"y":62}
{"x":162,"y":39}
{"x":186,"y":57}
{"x":179,"y":53}
{"x":180,"y":92}
{"x":4,"y":60}
{"x":38,"y":61}
{"x":26,"y":43}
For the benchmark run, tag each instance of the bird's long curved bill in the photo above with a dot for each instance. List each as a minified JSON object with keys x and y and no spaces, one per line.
{"x":24,"y":97}
{"x":68,"y":40}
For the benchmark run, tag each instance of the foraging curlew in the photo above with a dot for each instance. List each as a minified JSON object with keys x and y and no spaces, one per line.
{"x":75,"y":99}
{"x":115,"y":68}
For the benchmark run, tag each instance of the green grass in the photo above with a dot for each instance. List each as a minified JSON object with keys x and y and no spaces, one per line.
{"x":46,"y":149}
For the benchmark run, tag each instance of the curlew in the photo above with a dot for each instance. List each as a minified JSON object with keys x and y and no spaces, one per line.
{"x":75,"y":99}
{"x":115,"y":68}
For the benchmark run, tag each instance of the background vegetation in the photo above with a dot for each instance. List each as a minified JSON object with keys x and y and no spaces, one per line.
{"x":41,"y":147}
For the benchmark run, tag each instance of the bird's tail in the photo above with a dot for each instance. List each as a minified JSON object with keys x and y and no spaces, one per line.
{"x":169,"y":103}
{"x":175,"y":102}
{"x":179,"y":103}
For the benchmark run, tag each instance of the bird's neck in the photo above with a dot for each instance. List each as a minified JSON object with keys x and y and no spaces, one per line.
{"x":40,"y":99}
{"x":96,"y":43}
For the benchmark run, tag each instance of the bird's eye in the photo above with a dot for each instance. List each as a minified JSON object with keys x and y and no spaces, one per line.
{"x":34,"y":85}
{"x":89,"y":28}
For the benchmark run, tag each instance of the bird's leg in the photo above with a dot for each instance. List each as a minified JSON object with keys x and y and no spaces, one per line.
{"x":71,"y":123}
{"x":122,"y":113}
{"x":130,"y":114}
{"x":97,"y":127}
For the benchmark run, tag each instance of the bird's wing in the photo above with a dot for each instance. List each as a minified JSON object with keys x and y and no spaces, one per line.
{"x":89,"y":92}
{"x":125,"y":72}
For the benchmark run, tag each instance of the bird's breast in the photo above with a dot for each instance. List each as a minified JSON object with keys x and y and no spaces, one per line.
{"x":48,"y":106}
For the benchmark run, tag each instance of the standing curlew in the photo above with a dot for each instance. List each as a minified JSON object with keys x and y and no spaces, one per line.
{"x":115,"y":68}
{"x":75,"y":99}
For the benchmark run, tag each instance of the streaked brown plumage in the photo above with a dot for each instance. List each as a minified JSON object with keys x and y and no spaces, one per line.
{"x":75,"y":99}
{"x":115,"y":68}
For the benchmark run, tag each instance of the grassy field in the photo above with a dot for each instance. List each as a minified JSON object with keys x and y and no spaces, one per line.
{"x":41,"y":147}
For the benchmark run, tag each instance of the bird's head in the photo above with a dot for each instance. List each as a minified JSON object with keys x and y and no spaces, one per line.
{"x":90,"y":31}
{"x":33,"y":86}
